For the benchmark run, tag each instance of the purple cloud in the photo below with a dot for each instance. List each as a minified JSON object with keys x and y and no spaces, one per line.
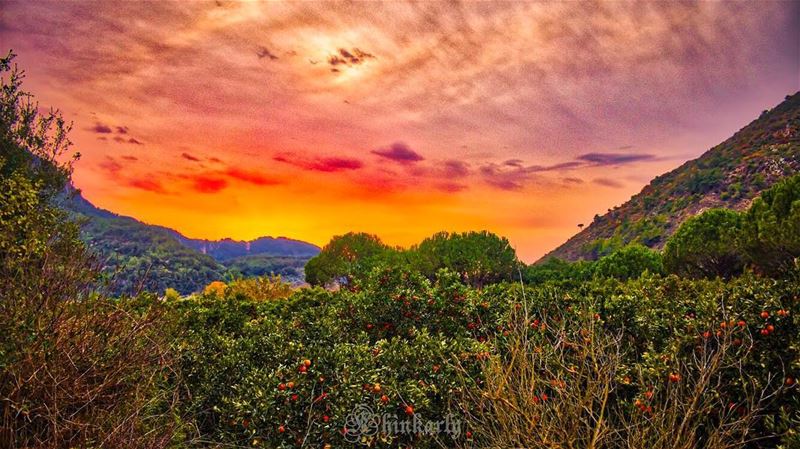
{"x":325,"y":164}
{"x":605,"y":182}
{"x":455,"y":169}
{"x":100,"y":128}
{"x":399,"y":152}
{"x":614,"y":158}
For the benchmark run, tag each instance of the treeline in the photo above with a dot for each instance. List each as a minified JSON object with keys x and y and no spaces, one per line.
{"x":717,"y":243}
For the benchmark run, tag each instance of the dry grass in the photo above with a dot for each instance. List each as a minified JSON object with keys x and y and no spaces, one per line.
{"x":559,"y":384}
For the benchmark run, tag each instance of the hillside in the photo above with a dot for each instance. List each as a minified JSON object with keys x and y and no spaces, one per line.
{"x":729,"y":175}
{"x":137,"y":256}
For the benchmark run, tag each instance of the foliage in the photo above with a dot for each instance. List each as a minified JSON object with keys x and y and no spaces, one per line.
{"x":443,"y":347}
{"x":558,"y":270}
{"x":771,"y":234}
{"x":76,"y":369}
{"x":138,"y":259}
{"x":344,"y":257}
{"x":629,"y":262}
{"x":706,"y":246}
{"x":568,"y":373}
{"x":479,"y":258}
{"x":265,"y":288}
{"x":287,"y":267}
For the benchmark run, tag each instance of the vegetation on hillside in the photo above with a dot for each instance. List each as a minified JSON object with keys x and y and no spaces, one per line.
{"x":137,"y":257}
{"x":730,"y":176}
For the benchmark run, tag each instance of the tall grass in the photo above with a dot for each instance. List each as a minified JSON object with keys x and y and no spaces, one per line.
{"x":564,"y":380}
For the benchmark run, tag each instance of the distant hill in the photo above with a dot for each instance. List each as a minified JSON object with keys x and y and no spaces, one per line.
{"x":227,"y":249}
{"x":140,"y":257}
{"x":730,"y":175}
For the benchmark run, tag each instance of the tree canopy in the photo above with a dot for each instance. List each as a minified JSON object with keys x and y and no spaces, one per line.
{"x":706,"y":246}
{"x":479,"y":258}
{"x":771,"y":229}
{"x":345,"y":256}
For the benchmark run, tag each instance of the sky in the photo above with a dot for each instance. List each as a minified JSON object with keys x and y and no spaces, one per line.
{"x":310,"y":119}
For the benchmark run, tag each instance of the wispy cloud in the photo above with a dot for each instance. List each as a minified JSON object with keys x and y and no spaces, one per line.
{"x":323,"y":164}
{"x":606,"y":182}
{"x":190,"y":157}
{"x":614,"y":158}
{"x":252,"y":177}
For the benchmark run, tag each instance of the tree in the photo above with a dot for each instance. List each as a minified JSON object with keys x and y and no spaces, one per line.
{"x":771,"y":236}
{"x":76,"y":369}
{"x":558,"y":270}
{"x":478,"y":257}
{"x":706,"y":246}
{"x":629,"y":262}
{"x":346,"y":257}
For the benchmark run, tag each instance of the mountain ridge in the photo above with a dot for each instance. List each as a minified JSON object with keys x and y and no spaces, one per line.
{"x":140,"y":256}
{"x":729,"y":175}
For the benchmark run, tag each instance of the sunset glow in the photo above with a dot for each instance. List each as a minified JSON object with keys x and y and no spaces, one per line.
{"x":308,"y":120}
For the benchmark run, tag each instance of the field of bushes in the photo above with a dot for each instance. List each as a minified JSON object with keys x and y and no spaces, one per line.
{"x":695,"y":347}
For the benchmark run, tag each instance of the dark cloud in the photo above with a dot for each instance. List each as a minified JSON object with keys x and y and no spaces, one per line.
{"x":563,"y":166}
{"x":130,"y":140}
{"x":189,"y":157}
{"x":348,"y":58}
{"x":573,"y":180}
{"x":503,"y":178}
{"x":614,"y":158}
{"x":605,"y":182}
{"x":215,"y":160}
{"x":399,"y":152}
{"x":100,"y":128}
{"x":263,"y":52}
{"x":122,"y":129}
{"x":455,"y":169}
{"x":251,"y":177}
{"x":130,"y":158}
{"x":337,"y":164}
{"x":325,"y":164}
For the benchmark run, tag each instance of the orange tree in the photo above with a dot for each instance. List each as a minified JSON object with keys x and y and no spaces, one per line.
{"x":288,"y":372}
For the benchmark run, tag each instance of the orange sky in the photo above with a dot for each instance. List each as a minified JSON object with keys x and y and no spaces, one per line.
{"x":307,"y":120}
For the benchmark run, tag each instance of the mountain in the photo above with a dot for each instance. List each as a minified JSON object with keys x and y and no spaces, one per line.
{"x":729,"y":175}
{"x":137,"y":256}
{"x":227,"y":249}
